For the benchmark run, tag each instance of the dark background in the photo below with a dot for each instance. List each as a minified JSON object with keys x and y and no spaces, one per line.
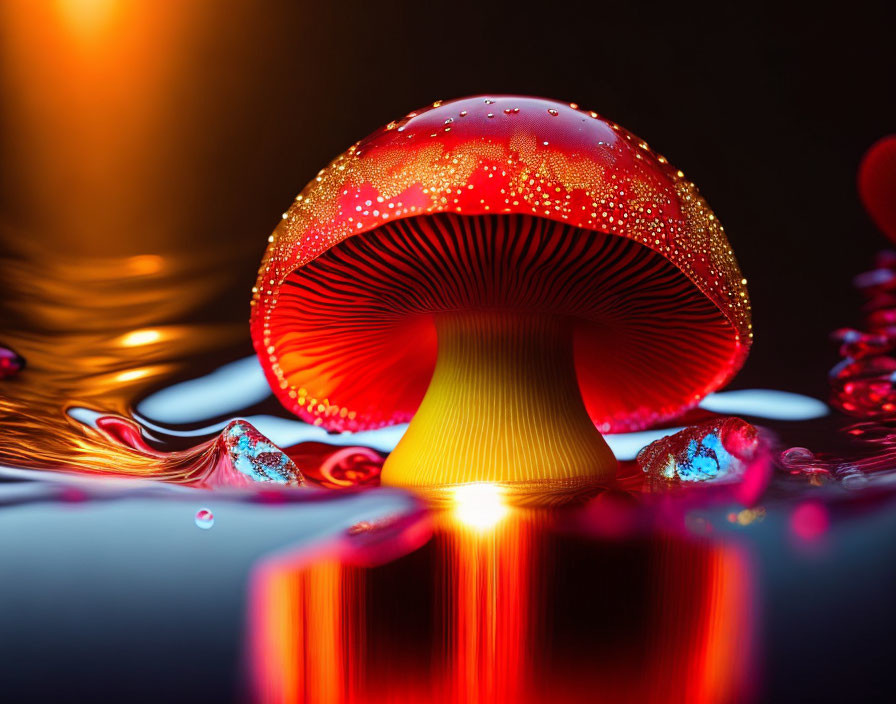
{"x":767,"y":108}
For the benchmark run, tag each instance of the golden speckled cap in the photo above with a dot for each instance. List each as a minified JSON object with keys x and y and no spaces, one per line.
{"x":412,"y":220}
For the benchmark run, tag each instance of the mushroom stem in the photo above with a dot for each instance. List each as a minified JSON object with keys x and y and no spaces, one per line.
{"x":503,"y":405}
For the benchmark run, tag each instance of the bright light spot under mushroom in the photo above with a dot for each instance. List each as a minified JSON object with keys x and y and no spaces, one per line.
{"x":479,"y":505}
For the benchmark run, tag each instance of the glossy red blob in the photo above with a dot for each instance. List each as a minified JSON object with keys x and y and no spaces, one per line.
{"x":723,"y":451}
{"x":877,"y":184}
{"x":855,"y":343}
{"x":863,"y":384}
{"x":809,"y":521}
{"x":10,"y":362}
{"x":865,"y":387}
{"x":437,"y":181}
{"x":337,"y":467}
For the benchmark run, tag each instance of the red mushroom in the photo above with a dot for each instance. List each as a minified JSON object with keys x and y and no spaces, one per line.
{"x":510,"y":272}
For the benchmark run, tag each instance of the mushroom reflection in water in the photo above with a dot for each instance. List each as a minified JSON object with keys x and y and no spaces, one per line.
{"x":511,"y":275}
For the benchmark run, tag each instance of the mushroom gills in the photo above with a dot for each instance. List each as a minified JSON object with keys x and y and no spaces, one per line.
{"x":507,"y":341}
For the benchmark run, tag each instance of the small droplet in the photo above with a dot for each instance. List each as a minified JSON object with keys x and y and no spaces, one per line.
{"x":205,"y":519}
{"x":797,"y":455}
{"x":449,"y":120}
{"x":490,"y":115}
{"x":463,"y":113}
{"x":10,"y":362}
{"x":489,"y":101}
{"x":852,"y":478}
{"x":553,"y":112}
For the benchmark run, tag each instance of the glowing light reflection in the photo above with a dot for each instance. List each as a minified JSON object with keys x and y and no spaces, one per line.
{"x":141,"y":337}
{"x":480,"y":506}
{"x":765,"y":403}
{"x":133,"y":374}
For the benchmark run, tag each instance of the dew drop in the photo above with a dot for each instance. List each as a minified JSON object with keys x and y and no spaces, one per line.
{"x":489,"y":101}
{"x":797,"y":455}
{"x":10,"y":362}
{"x":553,"y":112}
{"x":490,"y":115}
{"x":852,"y":478}
{"x":463,"y":113}
{"x":205,"y":519}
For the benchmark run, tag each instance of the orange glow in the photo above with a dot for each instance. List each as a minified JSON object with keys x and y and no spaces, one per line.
{"x":143,"y":264}
{"x":704,"y":644}
{"x":483,"y":631}
{"x":302,"y":633}
{"x":132,"y":374}
{"x":87,"y":18}
{"x":100,"y":231}
{"x":141,"y":337}
{"x":489,"y":609}
{"x":721,"y":672}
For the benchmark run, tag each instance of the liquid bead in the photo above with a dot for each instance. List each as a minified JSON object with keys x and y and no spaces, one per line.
{"x":720,"y":450}
{"x":863,"y":383}
{"x":10,"y":362}
{"x":205,"y":519}
{"x":875,"y":443}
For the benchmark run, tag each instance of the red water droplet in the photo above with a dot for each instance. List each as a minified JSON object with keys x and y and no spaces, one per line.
{"x":204,"y":519}
{"x":11,"y":363}
{"x":877,"y":184}
{"x":73,"y":495}
{"x":125,"y":432}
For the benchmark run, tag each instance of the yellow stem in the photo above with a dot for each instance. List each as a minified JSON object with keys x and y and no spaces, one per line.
{"x":503,"y":406}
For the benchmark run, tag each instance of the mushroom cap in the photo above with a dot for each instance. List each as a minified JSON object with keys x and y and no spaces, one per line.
{"x":494,"y":156}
